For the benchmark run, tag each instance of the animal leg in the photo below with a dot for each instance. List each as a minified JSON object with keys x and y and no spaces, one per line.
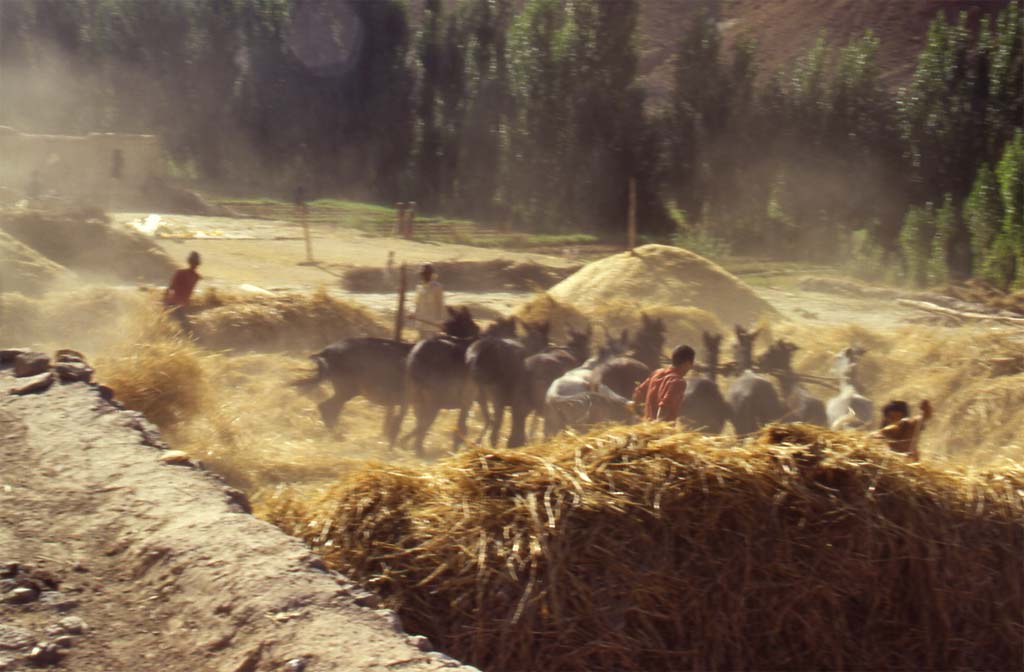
{"x":425,"y":416}
{"x":330,"y":409}
{"x":499,"y":419}
{"x":485,"y":411}
{"x":517,"y":437}
{"x":461,"y":429}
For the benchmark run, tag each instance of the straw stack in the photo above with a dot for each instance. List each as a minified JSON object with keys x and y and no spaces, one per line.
{"x":645,"y":549}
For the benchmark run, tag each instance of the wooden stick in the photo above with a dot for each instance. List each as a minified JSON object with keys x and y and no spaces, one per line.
{"x":400,"y":317}
{"x":305,"y":233}
{"x":631,"y":224}
{"x":929,"y":307}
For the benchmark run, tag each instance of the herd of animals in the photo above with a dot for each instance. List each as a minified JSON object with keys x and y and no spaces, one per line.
{"x":570,"y":386}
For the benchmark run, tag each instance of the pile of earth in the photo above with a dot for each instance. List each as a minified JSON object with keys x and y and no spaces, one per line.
{"x":24,"y":270}
{"x":661,"y":275}
{"x":494,"y":275}
{"x":88,"y":243}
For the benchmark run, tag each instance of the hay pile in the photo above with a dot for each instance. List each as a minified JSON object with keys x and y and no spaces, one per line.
{"x":24,"y":270}
{"x":559,"y":315}
{"x":640,"y":549}
{"x":662,"y":275}
{"x":292,"y":320}
{"x":492,"y":275}
{"x":87,"y":241}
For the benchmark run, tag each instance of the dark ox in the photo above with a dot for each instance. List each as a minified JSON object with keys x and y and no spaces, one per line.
{"x":373,"y":368}
{"x":438,"y":378}
{"x":497,"y":365}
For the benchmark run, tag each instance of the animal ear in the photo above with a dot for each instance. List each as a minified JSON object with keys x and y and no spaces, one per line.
{"x":453,"y":312}
{"x":740,"y":331}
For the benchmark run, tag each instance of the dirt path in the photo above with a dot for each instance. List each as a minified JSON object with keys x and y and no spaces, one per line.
{"x":134,"y":564}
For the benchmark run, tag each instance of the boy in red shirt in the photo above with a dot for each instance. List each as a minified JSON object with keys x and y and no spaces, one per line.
{"x":179,"y":291}
{"x":662,"y":393}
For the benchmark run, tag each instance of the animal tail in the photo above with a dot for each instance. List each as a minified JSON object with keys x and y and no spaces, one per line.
{"x":316,"y":377}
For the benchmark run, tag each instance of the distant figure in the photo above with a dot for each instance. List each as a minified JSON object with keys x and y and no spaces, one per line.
{"x":902,"y":432}
{"x":300,"y":199}
{"x":429,"y":314}
{"x":663,"y":391}
{"x":179,"y":291}
{"x":410,"y":219}
{"x":389,"y":268}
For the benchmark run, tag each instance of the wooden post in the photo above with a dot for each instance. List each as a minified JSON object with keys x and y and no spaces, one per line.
{"x":305,"y":234}
{"x":400,"y":223}
{"x":631,"y":233}
{"x":400,"y":317}
{"x":410,"y":219}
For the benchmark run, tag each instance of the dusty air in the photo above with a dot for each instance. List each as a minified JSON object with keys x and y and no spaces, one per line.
{"x":510,"y":335}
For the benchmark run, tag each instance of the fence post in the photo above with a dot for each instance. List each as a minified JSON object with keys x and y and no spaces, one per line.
{"x":631,"y":232}
{"x":400,"y":223}
{"x":400,"y":317}
{"x":410,"y":219}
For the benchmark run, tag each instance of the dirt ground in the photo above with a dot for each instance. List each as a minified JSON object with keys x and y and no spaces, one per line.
{"x":159,"y":567}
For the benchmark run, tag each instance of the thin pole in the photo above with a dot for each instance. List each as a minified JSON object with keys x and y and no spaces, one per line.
{"x":400,"y":317}
{"x":631,"y":232}
{"x":305,"y":233}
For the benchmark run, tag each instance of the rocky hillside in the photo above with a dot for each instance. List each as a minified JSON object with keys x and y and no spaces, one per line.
{"x":786,"y":28}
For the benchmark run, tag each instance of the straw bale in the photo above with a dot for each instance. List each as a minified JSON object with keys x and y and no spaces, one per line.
{"x":660,"y":274}
{"x":86,"y":241}
{"x":645,"y":549}
{"x":24,"y":270}
{"x":293,"y":320}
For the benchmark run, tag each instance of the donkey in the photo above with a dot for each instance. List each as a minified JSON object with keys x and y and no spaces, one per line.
{"x":373,"y":368}
{"x":752,"y":397}
{"x":704,"y":406}
{"x":801,"y":405}
{"x":437,"y":376}
{"x":546,"y":367}
{"x":497,"y":364}
{"x":850,"y":408}
{"x":623,"y":374}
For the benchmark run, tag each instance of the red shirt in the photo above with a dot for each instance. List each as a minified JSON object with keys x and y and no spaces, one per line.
{"x":661,"y":394}
{"x":180,"y":289}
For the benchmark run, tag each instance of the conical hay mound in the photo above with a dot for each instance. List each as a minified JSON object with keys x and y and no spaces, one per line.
{"x":645,"y":549}
{"x":24,"y":270}
{"x":560,"y":316}
{"x":662,"y":275}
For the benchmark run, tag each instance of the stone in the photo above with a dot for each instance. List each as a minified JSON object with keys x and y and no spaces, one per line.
{"x":13,"y":638}
{"x":64,"y":641}
{"x":8,"y":355}
{"x":176,"y":457}
{"x":30,"y":364}
{"x":238,"y":500}
{"x":22,"y":596}
{"x":68,"y":355}
{"x":73,"y":625}
{"x":34,"y":384}
{"x":421,"y":643}
{"x":45,"y":654}
{"x":74,"y":372}
{"x":295,"y":665}
{"x":58,"y":600}
{"x":106,"y":393}
{"x":8,"y":569}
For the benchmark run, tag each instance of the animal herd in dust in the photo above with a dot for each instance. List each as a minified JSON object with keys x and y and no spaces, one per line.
{"x":570,"y":386}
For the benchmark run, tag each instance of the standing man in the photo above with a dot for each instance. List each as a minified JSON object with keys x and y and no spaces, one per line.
{"x":429,"y":313}
{"x":662,"y":393}
{"x":179,"y":291}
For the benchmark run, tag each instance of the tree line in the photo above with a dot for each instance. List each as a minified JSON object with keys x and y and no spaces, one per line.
{"x":532,"y":115}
